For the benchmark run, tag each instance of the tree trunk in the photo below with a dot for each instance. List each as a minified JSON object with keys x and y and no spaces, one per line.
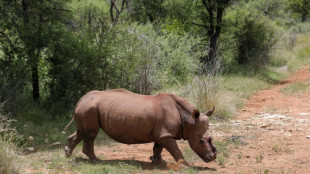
{"x":303,"y":17}
{"x":214,"y":29}
{"x":212,"y":49}
{"x":35,"y":82}
{"x":31,"y":56}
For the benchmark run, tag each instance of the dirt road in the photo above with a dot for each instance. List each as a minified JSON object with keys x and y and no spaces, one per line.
{"x":271,"y":134}
{"x":274,"y":131}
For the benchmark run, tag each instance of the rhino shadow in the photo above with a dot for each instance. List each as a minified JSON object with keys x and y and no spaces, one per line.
{"x":144,"y":165}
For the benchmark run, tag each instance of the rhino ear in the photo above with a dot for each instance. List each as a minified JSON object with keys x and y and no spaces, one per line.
{"x":195,"y":114}
{"x":192,"y":120}
{"x":209,"y":113}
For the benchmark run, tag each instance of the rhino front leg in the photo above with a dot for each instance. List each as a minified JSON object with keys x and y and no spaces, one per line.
{"x":171,"y":145}
{"x":157,"y":149}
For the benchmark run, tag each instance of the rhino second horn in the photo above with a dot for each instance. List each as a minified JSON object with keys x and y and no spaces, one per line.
{"x":209,"y":113}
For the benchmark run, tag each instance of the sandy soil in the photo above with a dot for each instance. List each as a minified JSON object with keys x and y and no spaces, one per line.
{"x":269,"y":135}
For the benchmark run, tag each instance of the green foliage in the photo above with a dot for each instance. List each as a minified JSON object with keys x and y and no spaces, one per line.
{"x":252,"y":31}
{"x":144,"y":10}
{"x":145,"y":61}
{"x":300,"y":8}
{"x":76,"y":48}
{"x":180,"y":12}
{"x":255,"y":39}
{"x":27,"y":27}
{"x":276,"y":10}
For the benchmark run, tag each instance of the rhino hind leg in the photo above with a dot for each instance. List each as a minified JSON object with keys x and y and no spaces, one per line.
{"x":157,"y":149}
{"x":88,"y":144}
{"x":73,"y":139}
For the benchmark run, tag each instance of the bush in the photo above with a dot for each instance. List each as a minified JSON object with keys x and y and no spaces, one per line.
{"x":255,"y":40}
{"x":249,"y":35}
{"x":149,"y":60}
{"x":135,"y":57}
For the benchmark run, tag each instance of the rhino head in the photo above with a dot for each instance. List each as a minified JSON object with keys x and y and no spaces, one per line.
{"x":199,"y":137}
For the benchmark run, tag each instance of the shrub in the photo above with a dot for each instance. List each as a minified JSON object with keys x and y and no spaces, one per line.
{"x":255,"y":39}
{"x":135,"y":57}
{"x":249,"y":35}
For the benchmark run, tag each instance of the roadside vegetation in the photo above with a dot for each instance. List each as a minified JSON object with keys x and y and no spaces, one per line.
{"x":53,"y":52}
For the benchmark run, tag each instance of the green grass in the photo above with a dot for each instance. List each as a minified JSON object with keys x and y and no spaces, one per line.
{"x":276,"y":148}
{"x":259,"y":157}
{"x":190,"y":155}
{"x":301,"y":53}
{"x":296,"y":88}
{"x":222,"y":152}
{"x":242,"y":86}
{"x":54,"y":161}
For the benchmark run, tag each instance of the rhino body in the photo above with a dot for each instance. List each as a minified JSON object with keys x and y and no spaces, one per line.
{"x":131,"y":118}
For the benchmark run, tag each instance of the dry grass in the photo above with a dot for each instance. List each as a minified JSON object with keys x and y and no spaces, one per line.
{"x":8,"y":158}
{"x":9,"y":163}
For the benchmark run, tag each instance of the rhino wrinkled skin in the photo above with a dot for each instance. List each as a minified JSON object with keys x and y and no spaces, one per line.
{"x":131,"y":118}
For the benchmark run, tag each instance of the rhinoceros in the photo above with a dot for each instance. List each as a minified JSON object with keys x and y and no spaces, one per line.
{"x":132,"y":118}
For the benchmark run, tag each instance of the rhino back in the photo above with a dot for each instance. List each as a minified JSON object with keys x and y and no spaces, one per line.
{"x":126,"y":117}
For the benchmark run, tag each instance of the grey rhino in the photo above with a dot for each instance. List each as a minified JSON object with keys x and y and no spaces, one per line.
{"x":131,"y":118}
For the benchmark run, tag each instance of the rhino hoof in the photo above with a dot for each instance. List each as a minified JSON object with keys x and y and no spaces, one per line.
{"x":183,"y":163}
{"x":67,"y":152}
{"x":155,"y":159}
{"x":95,"y":161}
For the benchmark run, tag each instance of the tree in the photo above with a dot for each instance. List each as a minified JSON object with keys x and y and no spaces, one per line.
{"x":146,"y":10}
{"x":211,"y":17}
{"x":28,"y":26}
{"x":301,"y":7}
{"x":115,"y":11}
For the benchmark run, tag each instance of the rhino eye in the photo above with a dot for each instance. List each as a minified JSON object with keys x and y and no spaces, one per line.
{"x":202,"y":141}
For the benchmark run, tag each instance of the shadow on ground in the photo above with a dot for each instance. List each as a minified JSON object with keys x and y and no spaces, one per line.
{"x":144,"y":165}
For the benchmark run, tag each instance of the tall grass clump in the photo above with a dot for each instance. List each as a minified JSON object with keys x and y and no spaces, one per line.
{"x":205,"y":91}
{"x":8,"y":139}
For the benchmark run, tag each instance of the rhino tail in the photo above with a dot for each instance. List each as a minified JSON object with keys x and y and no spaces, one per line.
{"x":69,"y":123}
{"x":73,"y":115}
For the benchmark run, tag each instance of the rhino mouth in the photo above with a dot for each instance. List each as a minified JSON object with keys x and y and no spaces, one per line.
{"x":209,"y":157}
